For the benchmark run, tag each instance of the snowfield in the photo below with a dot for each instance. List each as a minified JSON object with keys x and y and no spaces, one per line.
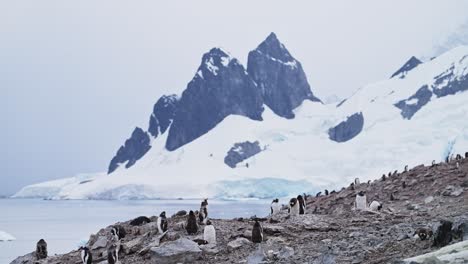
{"x":297,"y":155}
{"x":4,"y":236}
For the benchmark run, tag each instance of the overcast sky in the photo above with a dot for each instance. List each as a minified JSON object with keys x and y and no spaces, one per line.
{"x":77,"y":76}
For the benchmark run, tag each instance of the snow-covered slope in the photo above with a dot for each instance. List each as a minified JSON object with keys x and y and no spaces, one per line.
{"x":407,"y":120}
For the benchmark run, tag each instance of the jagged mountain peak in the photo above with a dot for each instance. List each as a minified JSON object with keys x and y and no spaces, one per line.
{"x":274,"y":49}
{"x":214,"y":60}
{"x":408,"y":66}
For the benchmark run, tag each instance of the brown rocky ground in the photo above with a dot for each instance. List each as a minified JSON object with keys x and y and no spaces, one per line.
{"x":330,"y":232}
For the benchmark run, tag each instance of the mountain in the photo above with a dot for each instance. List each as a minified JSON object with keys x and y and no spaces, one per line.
{"x":261,"y":132}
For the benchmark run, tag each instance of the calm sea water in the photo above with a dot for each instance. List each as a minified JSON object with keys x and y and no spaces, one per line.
{"x":63,"y":224}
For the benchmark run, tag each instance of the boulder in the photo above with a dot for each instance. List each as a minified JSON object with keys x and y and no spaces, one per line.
{"x":443,"y":234}
{"x":101,"y":242}
{"x":180,"y":251}
{"x":239,"y":242}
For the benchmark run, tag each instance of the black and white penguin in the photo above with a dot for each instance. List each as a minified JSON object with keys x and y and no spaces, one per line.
{"x":326,"y":192}
{"x":466,"y":155}
{"x":118,"y":232}
{"x":357,"y":181}
{"x":86,"y":256}
{"x":361,"y":201}
{"x":433,"y":163}
{"x":203,"y":214}
{"x":139,"y":221}
{"x":447,"y":159}
{"x":162,"y":222}
{"x":423,"y":233}
{"x":390,"y":174}
{"x":192,"y":226}
{"x":459,"y":157}
{"x":318,"y":194}
{"x":383,"y":177}
{"x":351,"y":186}
{"x":275,"y":206}
{"x":293,"y":206}
{"x":257,"y":232}
{"x":41,"y":249}
{"x":302,"y":205}
{"x":209,"y":233}
{"x":112,"y":255}
{"x":375,"y":206}
{"x":406,"y":168}
{"x":368,"y":182}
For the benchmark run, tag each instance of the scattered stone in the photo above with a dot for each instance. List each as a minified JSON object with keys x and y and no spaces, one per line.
{"x":452,"y":191}
{"x":429,"y":199}
{"x":239,"y":242}
{"x":180,"y":251}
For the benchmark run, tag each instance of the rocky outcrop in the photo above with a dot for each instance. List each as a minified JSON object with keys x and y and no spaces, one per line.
{"x":279,"y":76}
{"x":347,"y":129}
{"x":412,"y":63}
{"x":182,"y":250}
{"x":134,"y":148}
{"x":221,"y":87}
{"x":414,"y":103}
{"x":449,"y":83}
{"x":163,"y":114}
{"x":241,"y":151}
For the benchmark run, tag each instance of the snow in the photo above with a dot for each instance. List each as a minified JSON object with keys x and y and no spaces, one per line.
{"x":211,"y":67}
{"x":449,"y":254}
{"x":4,"y":236}
{"x":413,"y":101}
{"x":298,"y":156}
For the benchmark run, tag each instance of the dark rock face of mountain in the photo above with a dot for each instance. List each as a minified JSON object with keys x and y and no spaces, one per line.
{"x":134,"y":148}
{"x":163,"y":114}
{"x":279,"y":76}
{"x":220,"y":88}
{"x":241,"y":151}
{"x":410,"y":106}
{"x":408,"y":66}
{"x":347,"y":129}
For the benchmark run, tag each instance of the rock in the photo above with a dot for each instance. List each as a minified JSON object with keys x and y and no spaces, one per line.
{"x":181,"y":213}
{"x":443,"y":234}
{"x":152,"y":226}
{"x":101,"y":242}
{"x":237,"y":243}
{"x":180,"y":251}
{"x":134,"y":148}
{"x":272,"y":229}
{"x":133,"y":246}
{"x":460,"y":230}
{"x":408,"y":66}
{"x":412,"y":207}
{"x":452,"y":191}
{"x":421,"y":97}
{"x":429,"y":199}
{"x":241,"y":151}
{"x":286,"y":252}
{"x":348,"y":129}
{"x":28,"y":258}
{"x":163,"y":114}
{"x":257,"y":257}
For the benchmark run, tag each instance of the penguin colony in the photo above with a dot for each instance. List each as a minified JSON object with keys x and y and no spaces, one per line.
{"x":296,"y":207}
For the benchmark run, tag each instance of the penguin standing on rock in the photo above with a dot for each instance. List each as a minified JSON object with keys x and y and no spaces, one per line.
{"x":293,"y":206}
{"x":406,"y":168}
{"x":275,"y":206}
{"x":433,"y":163}
{"x":257,"y":232}
{"x":41,"y":249}
{"x":318,"y":194}
{"x":192,"y":226}
{"x":375,"y":206}
{"x":383,"y":177}
{"x":302,"y":204}
{"x":162,"y":222}
{"x":361,"y":201}
{"x":118,"y":232}
{"x":326,"y":192}
{"x":209,"y":233}
{"x":352,"y":186}
{"x":203,"y":214}
{"x":112,"y":255}
{"x":466,"y":155}
{"x":86,"y":256}
{"x":356,"y":181}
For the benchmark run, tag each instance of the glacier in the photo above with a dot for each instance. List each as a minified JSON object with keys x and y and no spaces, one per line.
{"x":4,"y":236}
{"x":297,"y":154}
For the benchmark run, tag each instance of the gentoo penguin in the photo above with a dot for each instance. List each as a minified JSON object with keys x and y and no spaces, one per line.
{"x":209,"y":233}
{"x":466,"y":155}
{"x":86,"y":256}
{"x":375,"y":206}
{"x":403,"y":184}
{"x":203,"y":214}
{"x":139,"y":221}
{"x":356,"y":181}
{"x":257,"y":232}
{"x":459,"y":157}
{"x":162,"y":223}
{"x":352,"y":186}
{"x":318,"y":194}
{"x":112,"y":255}
{"x":423,"y":233}
{"x":302,"y":204}
{"x":275,"y":206}
{"x":383,"y":177}
{"x":390,"y":174}
{"x":192,"y":226}
{"x":361,"y":201}
{"x":41,"y":249}
{"x":293,"y":206}
{"x":433,"y":163}
{"x":118,"y":232}
{"x":406,"y":168}
{"x":326,"y":192}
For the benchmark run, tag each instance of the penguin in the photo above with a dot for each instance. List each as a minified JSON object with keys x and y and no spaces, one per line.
{"x":433,"y":163}
{"x":302,"y":205}
{"x":41,"y":249}
{"x":112,"y":255}
{"x":86,"y":256}
{"x":209,"y":233}
{"x":383,"y":177}
{"x":352,"y":186}
{"x":192,"y":226}
{"x":406,"y":168}
{"x":458,"y":165}
{"x":275,"y":206}
{"x":447,"y":159}
{"x":361,"y":201}
{"x":403,"y":184}
{"x":423,"y":233}
{"x":368,"y":182}
{"x":375,"y":206}
{"x":293,"y":206}
{"x":356,"y":181}
{"x":466,"y":155}
{"x":390,"y":174}
{"x":459,"y":157}
{"x":162,"y":222}
{"x":257,"y":232}
{"x":332,"y":192}
{"x":118,"y":232}
{"x":395,"y":173}
{"x":326,"y":192}
{"x":139,"y":221}
{"x":203,"y":214}
{"x":318,"y":194}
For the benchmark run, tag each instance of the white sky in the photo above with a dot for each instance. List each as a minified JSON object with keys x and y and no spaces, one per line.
{"x":77,"y":76}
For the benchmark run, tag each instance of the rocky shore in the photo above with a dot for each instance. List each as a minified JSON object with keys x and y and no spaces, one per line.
{"x":331,"y":231}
